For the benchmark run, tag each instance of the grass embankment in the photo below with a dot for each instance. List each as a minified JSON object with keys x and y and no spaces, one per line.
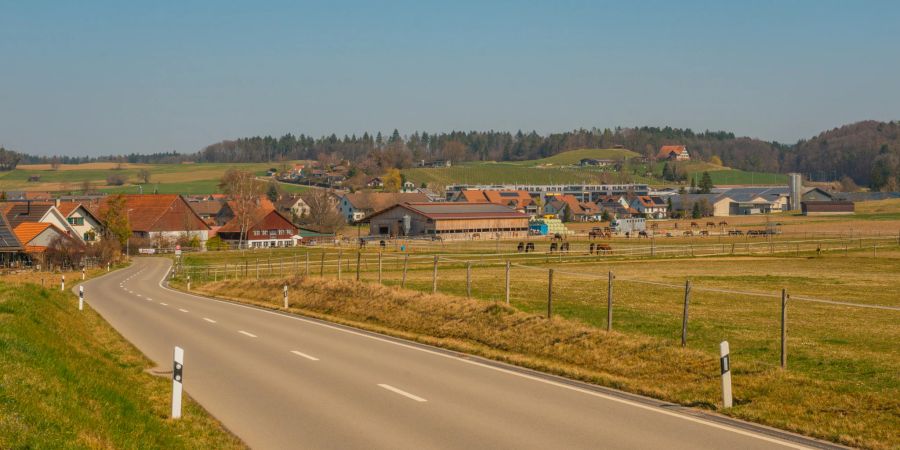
{"x":68,"y":380}
{"x":636,"y":361}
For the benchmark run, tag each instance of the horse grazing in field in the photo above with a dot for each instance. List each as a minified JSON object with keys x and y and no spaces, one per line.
{"x":643,"y":234}
{"x":521,"y":247}
{"x":723,"y":224}
{"x":552,"y":247}
{"x":688,"y":233}
{"x":591,"y":249}
{"x":604,"y":249}
{"x":704,"y":233}
{"x":529,"y":247}
{"x":710,"y":224}
{"x":382,"y":243}
{"x":695,"y":225}
{"x":564,"y":247}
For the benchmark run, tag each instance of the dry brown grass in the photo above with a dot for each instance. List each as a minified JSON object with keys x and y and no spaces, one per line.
{"x":85,"y":166}
{"x":631,"y":362}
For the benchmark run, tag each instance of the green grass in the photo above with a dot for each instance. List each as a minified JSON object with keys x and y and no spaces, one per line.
{"x":575,"y":156}
{"x":841,"y":381}
{"x":493,"y":172}
{"x":199,"y":178}
{"x":68,"y":380}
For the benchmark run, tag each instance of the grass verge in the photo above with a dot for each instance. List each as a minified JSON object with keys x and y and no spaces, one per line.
{"x":68,"y":380}
{"x":631,"y":362}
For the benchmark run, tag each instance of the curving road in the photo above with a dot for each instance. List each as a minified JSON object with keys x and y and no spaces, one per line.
{"x":284,"y":381}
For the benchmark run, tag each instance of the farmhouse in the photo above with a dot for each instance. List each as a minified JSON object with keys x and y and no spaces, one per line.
{"x":449,"y":220}
{"x":34,"y":212}
{"x":823,"y":208}
{"x":652,"y":207}
{"x":86,"y":225}
{"x":161,"y":216}
{"x":264,"y":228}
{"x":674,"y":153}
{"x":37,"y":236}
{"x":292,"y":207}
{"x":356,"y":205}
{"x":568,"y":207}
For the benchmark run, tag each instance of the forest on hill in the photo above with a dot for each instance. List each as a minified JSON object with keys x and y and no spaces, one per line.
{"x":867,"y":152}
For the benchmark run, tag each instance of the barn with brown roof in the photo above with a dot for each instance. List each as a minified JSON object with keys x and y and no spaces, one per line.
{"x":673,"y":152}
{"x":155,"y":216}
{"x":448,"y":220}
{"x":264,"y":228}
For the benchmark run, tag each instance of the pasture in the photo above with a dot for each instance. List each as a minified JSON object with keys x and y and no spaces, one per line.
{"x":843,"y":310}
{"x":189,"y":178}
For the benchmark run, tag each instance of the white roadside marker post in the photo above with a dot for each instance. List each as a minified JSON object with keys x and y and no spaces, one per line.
{"x":285,"y":296}
{"x":177,"y":381}
{"x":82,"y":274}
{"x":726,"y":374}
{"x":189,"y":282}
{"x":107,"y":266}
{"x":80,"y":298}
{"x":62,"y":283}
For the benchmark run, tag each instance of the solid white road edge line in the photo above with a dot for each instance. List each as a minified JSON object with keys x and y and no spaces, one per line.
{"x":304,"y":355}
{"x":246,"y":333}
{"x":402,"y":392}
{"x":500,"y":369}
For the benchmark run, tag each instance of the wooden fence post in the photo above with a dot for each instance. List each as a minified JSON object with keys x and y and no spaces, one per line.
{"x":306,"y":272}
{"x":549,"y":293}
{"x":257,"y":268}
{"x":609,"y":302}
{"x":322,"y":265}
{"x":684,"y":318}
{"x":358,"y":256}
{"x":379,"y":267}
{"x":468,"y":279}
{"x":784,"y":299}
{"x":507,"y":282}
{"x":434,"y":276}
{"x":405,"y":265}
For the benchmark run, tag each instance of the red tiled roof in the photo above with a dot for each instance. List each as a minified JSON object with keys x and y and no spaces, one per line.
{"x":159,"y":212}
{"x":667,"y":150}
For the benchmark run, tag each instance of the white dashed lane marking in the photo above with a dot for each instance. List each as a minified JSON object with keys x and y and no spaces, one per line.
{"x":304,"y":355}
{"x":246,"y":333}
{"x":402,"y":392}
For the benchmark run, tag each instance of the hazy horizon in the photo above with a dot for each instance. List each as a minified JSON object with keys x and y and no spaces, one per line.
{"x":107,"y":78}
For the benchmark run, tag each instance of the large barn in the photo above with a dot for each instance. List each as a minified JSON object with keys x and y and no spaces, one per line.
{"x":448,"y":220}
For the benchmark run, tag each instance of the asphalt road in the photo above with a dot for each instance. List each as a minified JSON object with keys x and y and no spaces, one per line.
{"x":284,"y":381}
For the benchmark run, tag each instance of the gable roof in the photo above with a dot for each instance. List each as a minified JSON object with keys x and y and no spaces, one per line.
{"x":458,"y":210}
{"x":67,"y":208}
{"x":376,"y":201}
{"x":513,"y":199}
{"x":258,"y":215}
{"x":22,"y":212}
{"x":159,"y":212}
{"x":667,"y":150}
{"x":206,"y":207}
{"x":27,"y":231}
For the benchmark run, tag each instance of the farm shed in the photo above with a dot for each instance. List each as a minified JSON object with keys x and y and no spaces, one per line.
{"x":450,"y":220}
{"x":822,"y":208}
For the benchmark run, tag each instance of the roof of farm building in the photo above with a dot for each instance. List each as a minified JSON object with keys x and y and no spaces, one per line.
{"x":158,"y":212}
{"x":21,"y":212}
{"x":667,"y":150}
{"x":459,"y":210}
{"x":376,"y":201}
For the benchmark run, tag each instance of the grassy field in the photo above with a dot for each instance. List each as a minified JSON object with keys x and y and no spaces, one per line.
{"x":494,"y":172}
{"x":843,"y":360}
{"x":573,"y":157}
{"x":559,"y":169}
{"x":68,"y":380}
{"x":841,"y":383}
{"x":199,"y":178}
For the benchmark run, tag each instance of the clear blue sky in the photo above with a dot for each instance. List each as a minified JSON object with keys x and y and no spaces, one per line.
{"x":111,"y":77}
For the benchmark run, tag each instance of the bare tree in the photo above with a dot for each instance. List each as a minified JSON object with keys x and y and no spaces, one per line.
{"x":323,"y":215}
{"x":243,"y":192}
{"x":144,"y":176}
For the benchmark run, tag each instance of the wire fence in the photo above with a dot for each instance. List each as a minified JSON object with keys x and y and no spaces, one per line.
{"x":577,"y":285}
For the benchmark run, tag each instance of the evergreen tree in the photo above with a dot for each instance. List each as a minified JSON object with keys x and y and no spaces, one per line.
{"x":706,"y":183}
{"x":695,"y":212}
{"x":693,"y":184}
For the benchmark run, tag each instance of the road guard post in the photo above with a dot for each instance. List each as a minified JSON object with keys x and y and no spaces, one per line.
{"x":80,"y":298}
{"x":725,"y":364}
{"x":177,"y":380}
